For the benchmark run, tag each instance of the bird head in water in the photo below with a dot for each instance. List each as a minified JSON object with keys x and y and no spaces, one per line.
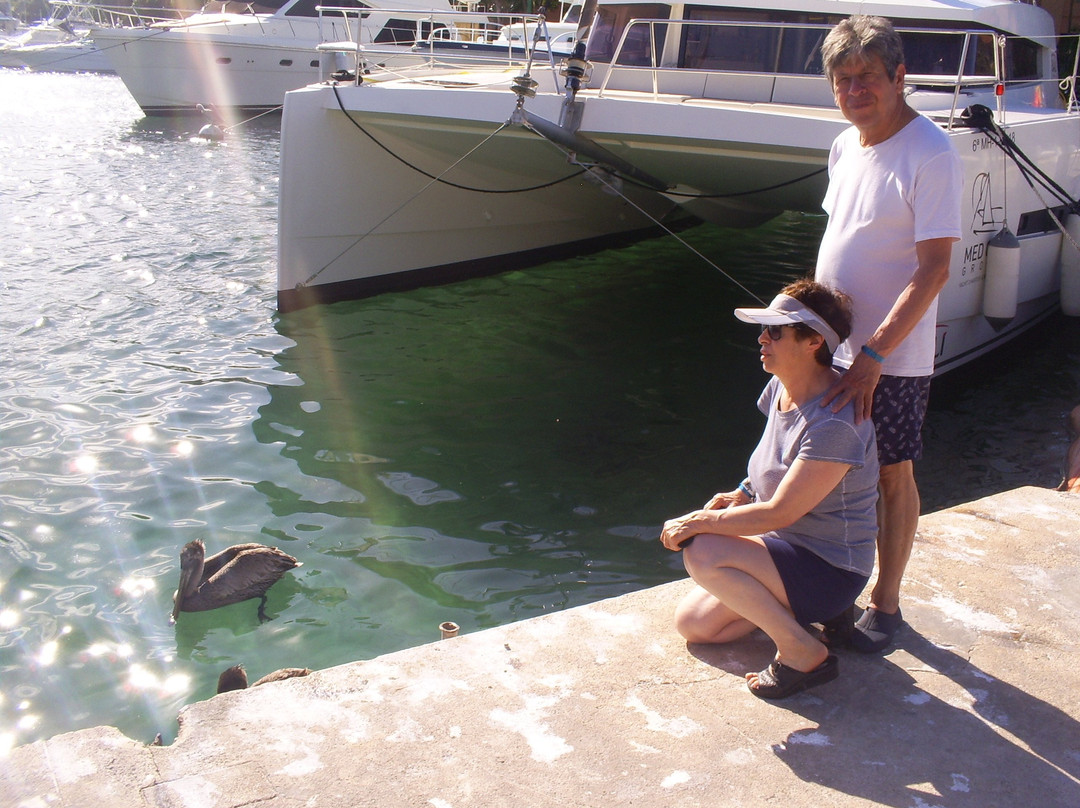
{"x":191,"y":570}
{"x":234,"y":678}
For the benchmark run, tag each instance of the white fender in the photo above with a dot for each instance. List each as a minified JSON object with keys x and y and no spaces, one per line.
{"x":1070,"y":266}
{"x":1001,"y":288}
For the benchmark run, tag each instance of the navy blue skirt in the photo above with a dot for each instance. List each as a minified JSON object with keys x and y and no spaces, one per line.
{"x":816,"y":590}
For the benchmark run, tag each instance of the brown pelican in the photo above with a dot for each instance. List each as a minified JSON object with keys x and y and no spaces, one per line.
{"x":237,"y":573}
{"x":235,"y":678}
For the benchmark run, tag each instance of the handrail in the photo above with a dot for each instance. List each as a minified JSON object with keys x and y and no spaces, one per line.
{"x":640,"y":32}
{"x":466,"y":27}
{"x":117,"y":16}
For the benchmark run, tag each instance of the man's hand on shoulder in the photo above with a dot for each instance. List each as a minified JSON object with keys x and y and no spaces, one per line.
{"x":856,"y":385}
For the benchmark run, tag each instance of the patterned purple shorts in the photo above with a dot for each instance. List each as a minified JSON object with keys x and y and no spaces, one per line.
{"x":899,"y":411}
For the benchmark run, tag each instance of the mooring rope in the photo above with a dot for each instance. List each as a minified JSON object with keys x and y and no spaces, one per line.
{"x":439,"y":178}
{"x":253,"y":118}
{"x":591,"y":169}
{"x":432,"y":179}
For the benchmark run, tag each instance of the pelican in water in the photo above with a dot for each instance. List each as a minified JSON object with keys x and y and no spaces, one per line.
{"x":237,"y":573}
{"x":235,"y":678}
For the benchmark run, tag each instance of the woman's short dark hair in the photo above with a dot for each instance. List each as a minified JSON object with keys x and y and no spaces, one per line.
{"x":830,"y":305}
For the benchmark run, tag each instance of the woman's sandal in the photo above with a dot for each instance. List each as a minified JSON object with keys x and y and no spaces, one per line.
{"x":778,"y":681}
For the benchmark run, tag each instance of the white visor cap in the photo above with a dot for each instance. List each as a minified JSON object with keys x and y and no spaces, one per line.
{"x":786,"y":310}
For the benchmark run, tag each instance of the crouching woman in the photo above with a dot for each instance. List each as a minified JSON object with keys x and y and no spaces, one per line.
{"x":794,"y":543}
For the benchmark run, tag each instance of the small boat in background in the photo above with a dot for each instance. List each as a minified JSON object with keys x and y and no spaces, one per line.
{"x":483,"y":39}
{"x":63,"y":42}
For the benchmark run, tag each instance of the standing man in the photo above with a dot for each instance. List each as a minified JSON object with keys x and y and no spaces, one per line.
{"x":894,"y":212}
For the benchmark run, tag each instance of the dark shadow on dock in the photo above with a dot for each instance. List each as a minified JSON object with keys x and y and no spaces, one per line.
{"x":882,"y":737}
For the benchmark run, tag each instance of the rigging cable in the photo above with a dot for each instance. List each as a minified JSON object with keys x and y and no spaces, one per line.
{"x":439,"y":178}
{"x":598,"y":175}
{"x":982,"y":118}
{"x":433,"y":179}
{"x":784,"y":184}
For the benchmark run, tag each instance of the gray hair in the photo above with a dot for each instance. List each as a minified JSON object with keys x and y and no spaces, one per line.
{"x":862,"y":36}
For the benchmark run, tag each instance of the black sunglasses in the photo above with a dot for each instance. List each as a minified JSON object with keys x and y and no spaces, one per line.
{"x":775,"y":331}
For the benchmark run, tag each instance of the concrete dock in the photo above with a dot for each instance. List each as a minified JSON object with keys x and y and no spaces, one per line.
{"x":977,"y":705}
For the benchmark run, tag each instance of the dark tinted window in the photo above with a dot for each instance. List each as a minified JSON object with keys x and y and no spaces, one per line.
{"x":306,"y":8}
{"x":612,"y":21}
{"x":1022,"y":57}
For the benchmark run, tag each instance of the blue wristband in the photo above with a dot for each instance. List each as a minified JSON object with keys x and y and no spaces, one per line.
{"x":742,"y":487}
{"x":866,"y":349}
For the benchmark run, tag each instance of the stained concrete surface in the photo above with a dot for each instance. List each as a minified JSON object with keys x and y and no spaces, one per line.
{"x":604,"y":705}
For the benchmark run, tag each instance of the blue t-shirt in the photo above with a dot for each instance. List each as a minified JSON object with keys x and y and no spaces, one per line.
{"x":842,"y":528}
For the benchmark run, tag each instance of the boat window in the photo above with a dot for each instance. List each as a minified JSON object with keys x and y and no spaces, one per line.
{"x":402,"y":32}
{"x":1021,"y":59}
{"x":731,"y":47}
{"x":776,"y":42}
{"x":306,"y":8}
{"x":612,"y":20}
{"x":939,"y":54}
{"x":931,"y":54}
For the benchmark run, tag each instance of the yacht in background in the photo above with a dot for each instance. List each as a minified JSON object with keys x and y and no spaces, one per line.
{"x":716,"y":110}
{"x":62,"y":43}
{"x":245,"y":60}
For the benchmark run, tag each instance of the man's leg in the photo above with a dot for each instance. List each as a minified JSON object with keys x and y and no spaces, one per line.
{"x":898,"y":519}
{"x":899,"y":410}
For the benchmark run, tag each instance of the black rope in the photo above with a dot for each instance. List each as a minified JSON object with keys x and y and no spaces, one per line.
{"x":755,"y":191}
{"x":1024,"y":164}
{"x":419,"y":170}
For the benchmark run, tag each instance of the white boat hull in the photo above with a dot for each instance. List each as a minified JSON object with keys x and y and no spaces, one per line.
{"x":245,"y":63}
{"x":169,"y":72}
{"x":424,"y":231}
{"x":1051,"y":141}
{"x":81,"y":56}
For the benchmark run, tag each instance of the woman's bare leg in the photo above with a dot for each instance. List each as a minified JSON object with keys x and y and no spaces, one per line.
{"x":746,"y":591}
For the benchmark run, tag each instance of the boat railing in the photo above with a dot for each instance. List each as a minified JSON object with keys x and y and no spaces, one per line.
{"x":781,"y":63}
{"x":440,"y":39}
{"x":1068,"y":83}
{"x":107,"y":16}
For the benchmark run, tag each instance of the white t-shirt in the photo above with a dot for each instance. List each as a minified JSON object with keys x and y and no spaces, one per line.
{"x":881,"y":200}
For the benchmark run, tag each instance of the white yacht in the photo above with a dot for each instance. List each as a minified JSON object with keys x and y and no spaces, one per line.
{"x":74,"y":53}
{"x":62,"y":42}
{"x":507,"y":39}
{"x":244,"y":57}
{"x":716,"y":110}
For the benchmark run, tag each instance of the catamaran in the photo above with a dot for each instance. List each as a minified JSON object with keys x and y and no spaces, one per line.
{"x":714,"y":110}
